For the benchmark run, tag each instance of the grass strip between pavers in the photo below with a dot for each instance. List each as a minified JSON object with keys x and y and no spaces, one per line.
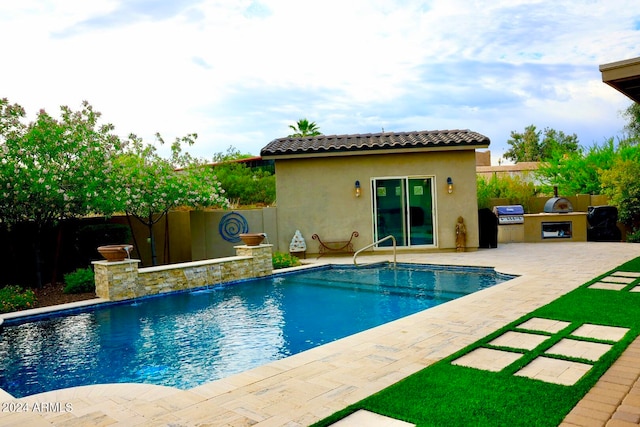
{"x":448,"y":395}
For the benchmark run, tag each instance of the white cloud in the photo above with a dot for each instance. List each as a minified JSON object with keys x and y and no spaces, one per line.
{"x":238,"y":73}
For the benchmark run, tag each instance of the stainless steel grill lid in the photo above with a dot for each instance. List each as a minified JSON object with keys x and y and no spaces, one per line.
{"x":512,"y":214}
{"x":509,"y":210}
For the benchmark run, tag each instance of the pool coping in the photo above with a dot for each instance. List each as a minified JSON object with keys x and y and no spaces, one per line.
{"x":305,"y":388}
{"x":60,"y":308}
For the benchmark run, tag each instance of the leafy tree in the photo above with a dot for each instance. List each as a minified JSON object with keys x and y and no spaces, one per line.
{"x":622,"y":184}
{"x":527,"y":146}
{"x":232,"y":153}
{"x":244,"y":185}
{"x":555,"y":141}
{"x":304,"y":128}
{"x":577,"y":172}
{"x":581,"y":172}
{"x":52,"y":169}
{"x":146,"y":185}
{"x":632,"y":114}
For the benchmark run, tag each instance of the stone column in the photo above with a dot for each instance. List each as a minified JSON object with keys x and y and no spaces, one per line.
{"x":116,"y":280}
{"x":262,"y":263}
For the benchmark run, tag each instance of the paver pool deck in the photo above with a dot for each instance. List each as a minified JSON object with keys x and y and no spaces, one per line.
{"x":307,"y":387}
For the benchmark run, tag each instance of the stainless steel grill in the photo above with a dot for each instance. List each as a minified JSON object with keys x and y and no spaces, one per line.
{"x":511,"y":214}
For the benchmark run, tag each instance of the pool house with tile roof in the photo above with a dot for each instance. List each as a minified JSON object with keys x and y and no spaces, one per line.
{"x":412,"y":185}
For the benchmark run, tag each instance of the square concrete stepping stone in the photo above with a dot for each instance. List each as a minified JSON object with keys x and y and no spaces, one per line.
{"x":519,"y":340}
{"x":554,"y":370}
{"x":618,"y":279}
{"x":636,"y":289}
{"x":487,"y":359}
{"x":366,"y":418}
{"x":545,"y":325}
{"x":580,"y":349}
{"x":626,"y":274}
{"x":608,"y":286}
{"x":599,"y":332}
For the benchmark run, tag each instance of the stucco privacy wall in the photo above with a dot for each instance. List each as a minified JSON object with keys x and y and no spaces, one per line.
{"x":316,"y":195}
{"x":123,"y":280}
{"x":206,"y":240}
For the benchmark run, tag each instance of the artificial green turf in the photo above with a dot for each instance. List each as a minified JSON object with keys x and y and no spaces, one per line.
{"x":448,"y":395}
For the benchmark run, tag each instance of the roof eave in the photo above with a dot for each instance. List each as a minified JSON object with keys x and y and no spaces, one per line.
{"x":361,"y":152}
{"x":623,"y":76}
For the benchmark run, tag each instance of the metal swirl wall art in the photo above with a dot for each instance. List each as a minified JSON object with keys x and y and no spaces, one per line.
{"x":231,"y":226}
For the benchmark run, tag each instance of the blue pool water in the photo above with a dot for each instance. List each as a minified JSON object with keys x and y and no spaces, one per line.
{"x":187,"y":339}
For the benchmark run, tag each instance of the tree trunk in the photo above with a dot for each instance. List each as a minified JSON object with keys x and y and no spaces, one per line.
{"x":56,"y":257}
{"x":37,"y":252}
{"x":133,"y":236}
{"x":152,"y":241}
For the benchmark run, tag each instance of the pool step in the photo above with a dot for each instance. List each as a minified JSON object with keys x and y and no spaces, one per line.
{"x":394,"y":289}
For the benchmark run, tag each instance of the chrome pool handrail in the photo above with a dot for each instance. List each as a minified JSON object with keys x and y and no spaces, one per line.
{"x":390,"y":236}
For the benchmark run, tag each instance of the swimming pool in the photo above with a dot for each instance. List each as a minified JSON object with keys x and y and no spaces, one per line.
{"x":190,"y":338}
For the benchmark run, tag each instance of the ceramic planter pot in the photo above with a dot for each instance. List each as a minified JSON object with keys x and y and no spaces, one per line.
{"x":114,"y":253}
{"x":252,"y":239}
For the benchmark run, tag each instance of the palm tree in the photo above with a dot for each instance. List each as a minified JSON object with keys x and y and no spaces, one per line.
{"x":305,"y":128}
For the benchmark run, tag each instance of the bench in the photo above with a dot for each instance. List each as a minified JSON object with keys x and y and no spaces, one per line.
{"x":335,"y":246}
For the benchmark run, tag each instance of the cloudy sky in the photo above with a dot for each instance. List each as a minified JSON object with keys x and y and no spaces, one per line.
{"x":239,"y":72}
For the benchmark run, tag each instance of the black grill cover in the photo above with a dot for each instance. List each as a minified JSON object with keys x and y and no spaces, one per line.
{"x":603,"y":224}
{"x":488,"y":228}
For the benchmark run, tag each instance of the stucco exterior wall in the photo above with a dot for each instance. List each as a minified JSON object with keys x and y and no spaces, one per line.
{"x":316,"y":195}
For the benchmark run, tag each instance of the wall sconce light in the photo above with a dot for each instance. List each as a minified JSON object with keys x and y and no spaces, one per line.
{"x":449,"y":185}
{"x":357,"y":188}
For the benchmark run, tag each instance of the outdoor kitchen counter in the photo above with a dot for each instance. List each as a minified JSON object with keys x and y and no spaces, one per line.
{"x":559,"y":227}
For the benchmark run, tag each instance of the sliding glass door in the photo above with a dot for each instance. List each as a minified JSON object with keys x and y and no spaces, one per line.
{"x":403,"y":208}
{"x":390,"y":211}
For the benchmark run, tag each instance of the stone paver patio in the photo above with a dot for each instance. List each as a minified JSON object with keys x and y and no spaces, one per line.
{"x":307,"y":387}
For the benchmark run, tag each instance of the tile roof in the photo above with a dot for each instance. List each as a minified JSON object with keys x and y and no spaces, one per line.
{"x":374,"y":141}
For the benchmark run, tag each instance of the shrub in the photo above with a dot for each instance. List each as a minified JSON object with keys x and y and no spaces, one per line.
{"x":516,"y":190}
{"x":621,"y":184}
{"x":284,"y":260}
{"x":14,"y":298}
{"x":634,"y":237}
{"x":79,"y":281}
